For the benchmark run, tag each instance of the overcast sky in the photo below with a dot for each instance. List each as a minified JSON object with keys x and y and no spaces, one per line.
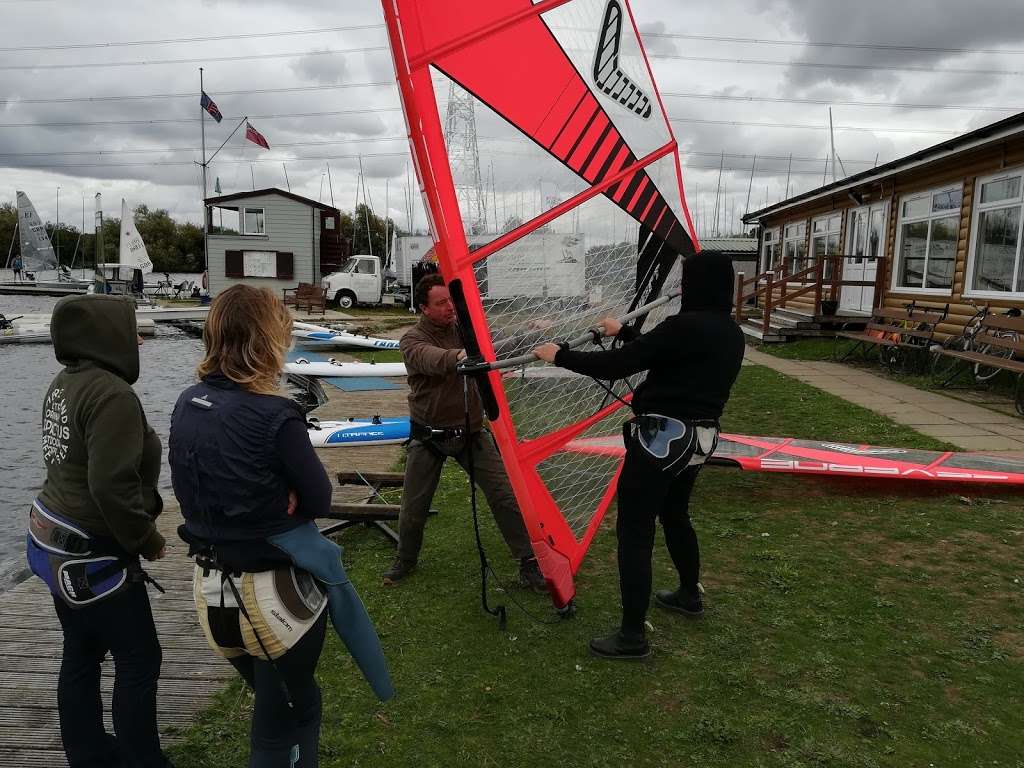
{"x":988,"y":36}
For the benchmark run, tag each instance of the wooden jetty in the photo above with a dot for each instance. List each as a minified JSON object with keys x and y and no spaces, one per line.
{"x":30,"y":635}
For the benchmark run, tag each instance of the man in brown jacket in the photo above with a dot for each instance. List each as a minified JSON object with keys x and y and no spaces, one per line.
{"x":432,"y":350}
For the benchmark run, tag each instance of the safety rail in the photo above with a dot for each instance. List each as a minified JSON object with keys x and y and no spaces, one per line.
{"x":773,"y":289}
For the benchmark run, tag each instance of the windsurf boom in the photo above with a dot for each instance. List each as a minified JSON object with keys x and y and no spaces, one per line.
{"x":572,"y":134}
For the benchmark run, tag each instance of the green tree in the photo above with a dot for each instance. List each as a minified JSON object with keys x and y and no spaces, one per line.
{"x":8,"y":222}
{"x":354,"y":226}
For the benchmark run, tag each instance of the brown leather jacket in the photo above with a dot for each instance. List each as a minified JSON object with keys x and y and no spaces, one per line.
{"x":431,"y":353}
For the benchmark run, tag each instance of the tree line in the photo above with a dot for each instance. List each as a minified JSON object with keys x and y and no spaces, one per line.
{"x":173,"y":246}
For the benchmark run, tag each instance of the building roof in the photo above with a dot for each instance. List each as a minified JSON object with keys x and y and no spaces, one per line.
{"x":270,"y":191}
{"x":988,"y":134}
{"x":729,"y":244}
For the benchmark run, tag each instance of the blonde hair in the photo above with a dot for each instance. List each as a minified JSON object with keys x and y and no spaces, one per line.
{"x":247,"y":334}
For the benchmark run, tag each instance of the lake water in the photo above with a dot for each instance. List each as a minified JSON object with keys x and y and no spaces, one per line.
{"x":168,"y":363}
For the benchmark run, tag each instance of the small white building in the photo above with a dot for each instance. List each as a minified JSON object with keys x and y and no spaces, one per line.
{"x":271,"y":238}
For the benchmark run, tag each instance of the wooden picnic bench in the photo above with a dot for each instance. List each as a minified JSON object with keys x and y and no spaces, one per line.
{"x":375,"y":511}
{"x":897,"y":334}
{"x":998,"y":345}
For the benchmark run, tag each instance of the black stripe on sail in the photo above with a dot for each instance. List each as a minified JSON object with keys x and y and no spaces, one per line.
{"x":645,"y":197}
{"x":569,"y":118}
{"x":634,"y":184}
{"x":597,"y":146}
{"x":601,"y":174}
{"x":583,"y":133}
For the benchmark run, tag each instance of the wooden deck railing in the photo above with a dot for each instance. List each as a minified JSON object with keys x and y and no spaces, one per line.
{"x":773,"y":289}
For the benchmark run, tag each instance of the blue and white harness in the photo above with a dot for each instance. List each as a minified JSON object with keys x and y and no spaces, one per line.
{"x":73,"y":563}
{"x":671,"y":444}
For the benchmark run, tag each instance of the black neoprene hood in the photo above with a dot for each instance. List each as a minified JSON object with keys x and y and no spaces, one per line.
{"x":708,"y":283}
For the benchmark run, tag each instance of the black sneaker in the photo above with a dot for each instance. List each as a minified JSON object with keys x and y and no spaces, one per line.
{"x":398,"y":571}
{"x":530,"y":576}
{"x":620,"y":647}
{"x":680,"y":601}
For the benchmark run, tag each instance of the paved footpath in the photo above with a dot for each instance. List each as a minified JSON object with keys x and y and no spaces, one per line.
{"x":969,"y":427}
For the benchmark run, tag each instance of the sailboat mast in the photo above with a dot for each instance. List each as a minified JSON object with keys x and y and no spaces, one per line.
{"x":56,"y":229}
{"x":14,"y":237}
{"x":202,"y":201}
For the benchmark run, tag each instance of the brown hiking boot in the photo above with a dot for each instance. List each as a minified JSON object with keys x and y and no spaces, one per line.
{"x":530,"y":576}
{"x":398,"y":571}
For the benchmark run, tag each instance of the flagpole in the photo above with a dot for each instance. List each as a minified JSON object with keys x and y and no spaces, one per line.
{"x":202,"y":130}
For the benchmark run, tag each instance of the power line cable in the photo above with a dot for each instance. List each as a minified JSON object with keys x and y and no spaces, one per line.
{"x":176,"y":40}
{"x":830,"y":65}
{"x":201,"y":60}
{"x":824,"y":44}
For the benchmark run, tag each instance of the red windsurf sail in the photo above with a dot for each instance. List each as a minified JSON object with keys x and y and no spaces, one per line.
{"x":552,"y":183}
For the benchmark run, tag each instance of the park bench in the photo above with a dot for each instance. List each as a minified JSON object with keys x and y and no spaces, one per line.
{"x":898,"y":334}
{"x":374,"y":511}
{"x":311,"y":298}
{"x":997,"y":346}
{"x":288,"y":295}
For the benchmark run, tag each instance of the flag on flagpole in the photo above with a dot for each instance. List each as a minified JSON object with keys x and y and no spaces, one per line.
{"x":210,"y":106}
{"x":216,"y":187}
{"x":255,"y":136}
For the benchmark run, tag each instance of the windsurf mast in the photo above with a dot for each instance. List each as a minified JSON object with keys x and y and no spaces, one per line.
{"x":579,"y":341}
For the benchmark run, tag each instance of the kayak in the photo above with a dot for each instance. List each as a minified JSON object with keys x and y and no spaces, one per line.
{"x":316,"y":335}
{"x":375,"y":431}
{"x":333,"y":369}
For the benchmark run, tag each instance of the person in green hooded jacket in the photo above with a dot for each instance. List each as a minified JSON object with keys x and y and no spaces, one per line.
{"x":91,"y":522}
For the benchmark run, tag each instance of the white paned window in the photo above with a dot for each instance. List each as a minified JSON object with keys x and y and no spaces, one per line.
{"x":771,"y":249}
{"x":929,"y":224}
{"x":825,"y":239}
{"x":253,"y":221}
{"x":995,"y":264}
{"x":259,"y":264}
{"x":795,"y":246}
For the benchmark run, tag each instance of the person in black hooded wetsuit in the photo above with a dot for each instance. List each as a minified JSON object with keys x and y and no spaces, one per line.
{"x":693,"y":359}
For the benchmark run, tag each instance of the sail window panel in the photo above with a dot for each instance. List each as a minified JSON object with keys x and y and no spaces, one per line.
{"x":253,"y":221}
{"x":995,"y":265}
{"x":927,"y":237}
{"x":588,"y":32}
{"x":578,"y":482}
{"x":558,"y":282}
{"x":503,"y":178}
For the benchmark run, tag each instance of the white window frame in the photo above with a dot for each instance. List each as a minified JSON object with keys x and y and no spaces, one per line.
{"x":980,"y":208}
{"x":766,"y":246}
{"x":241,"y":220}
{"x":265,"y":257}
{"x":812,"y":257}
{"x":787,"y":240}
{"x":898,"y":248}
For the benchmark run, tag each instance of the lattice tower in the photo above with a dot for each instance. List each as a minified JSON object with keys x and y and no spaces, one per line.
{"x":464,"y":153}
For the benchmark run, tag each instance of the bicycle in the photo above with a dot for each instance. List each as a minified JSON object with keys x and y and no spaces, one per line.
{"x":943,"y":366}
{"x":910,"y":345}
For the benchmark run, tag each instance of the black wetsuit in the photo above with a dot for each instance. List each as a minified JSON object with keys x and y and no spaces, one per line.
{"x":693,"y":359}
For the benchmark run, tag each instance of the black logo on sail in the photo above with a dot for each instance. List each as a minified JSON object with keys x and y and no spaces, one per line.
{"x":607,"y":74}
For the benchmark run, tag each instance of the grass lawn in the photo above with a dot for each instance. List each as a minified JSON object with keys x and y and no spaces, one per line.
{"x":849,"y":623}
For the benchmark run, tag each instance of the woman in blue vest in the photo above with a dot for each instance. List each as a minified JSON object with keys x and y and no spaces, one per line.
{"x":250,"y":484}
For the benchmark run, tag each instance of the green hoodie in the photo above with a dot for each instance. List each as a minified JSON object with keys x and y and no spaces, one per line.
{"x":102,"y":457}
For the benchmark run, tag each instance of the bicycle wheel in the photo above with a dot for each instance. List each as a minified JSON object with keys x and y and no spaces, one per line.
{"x":944,"y":366}
{"x":982,"y":372}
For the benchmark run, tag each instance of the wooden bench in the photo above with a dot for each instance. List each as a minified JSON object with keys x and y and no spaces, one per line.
{"x":997,"y":346}
{"x":289,"y":295}
{"x":897,"y":333}
{"x":313,"y":297}
{"x":373,"y":512}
